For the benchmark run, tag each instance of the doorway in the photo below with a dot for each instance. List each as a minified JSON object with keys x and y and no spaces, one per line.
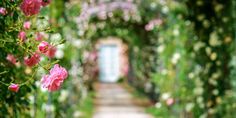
{"x":109,"y":63}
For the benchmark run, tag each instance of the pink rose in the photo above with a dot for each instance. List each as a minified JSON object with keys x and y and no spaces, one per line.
{"x":33,"y":60}
{"x":45,"y":2}
{"x":30,"y":7}
{"x":3,"y":11}
{"x":54,"y":80}
{"x":27,"y":25}
{"x":149,"y":27}
{"x":43,"y":47}
{"x":22,"y":36}
{"x":11,"y":58}
{"x":39,"y":36}
{"x":14,"y":87}
{"x":51,"y":52}
{"x":169,"y":101}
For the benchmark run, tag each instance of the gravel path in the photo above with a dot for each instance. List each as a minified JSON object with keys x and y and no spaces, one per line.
{"x":113,"y":101}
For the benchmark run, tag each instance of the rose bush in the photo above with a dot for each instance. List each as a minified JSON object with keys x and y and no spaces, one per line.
{"x":20,"y":58}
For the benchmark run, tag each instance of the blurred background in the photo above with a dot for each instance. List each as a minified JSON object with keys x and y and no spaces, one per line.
{"x":125,"y":58}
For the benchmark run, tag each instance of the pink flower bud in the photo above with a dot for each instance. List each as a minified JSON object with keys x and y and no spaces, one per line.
{"x":14,"y":87}
{"x":43,"y":47}
{"x":11,"y":58}
{"x":3,"y":11}
{"x":33,"y":60}
{"x":27,"y":25}
{"x":39,"y":36}
{"x":30,"y":7}
{"x":51,"y":52}
{"x":54,"y":80}
{"x":45,"y":2}
{"x":22,"y":36}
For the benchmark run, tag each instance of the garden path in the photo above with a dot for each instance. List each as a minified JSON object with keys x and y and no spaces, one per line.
{"x":113,"y":101}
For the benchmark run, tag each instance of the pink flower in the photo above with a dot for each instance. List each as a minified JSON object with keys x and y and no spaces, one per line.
{"x":22,"y":36}
{"x":149,"y":27}
{"x":11,"y":58}
{"x":3,"y":11}
{"x":169,"y":101}
{"x":33,"y":60}
{"x":45,"y":2}
{"x":30,"y":7}
{"x":51,"y":52}
{"x":54,"y":80}
{"x":39,"y":36}
{"x":43,"y":47}
{"x":27,"y":25}
{"x":14,"y":87}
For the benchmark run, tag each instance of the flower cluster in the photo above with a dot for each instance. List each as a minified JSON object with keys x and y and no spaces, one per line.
{"x":3,"y":11}
{"x":151,"y":24}
{"x":33,"y":56}
{"x":32,"y":7}
{"x":103,"y":10}
{"x":56,"y":77}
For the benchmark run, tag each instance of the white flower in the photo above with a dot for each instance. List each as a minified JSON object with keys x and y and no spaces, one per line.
{"x":199,"y":100}
{"x":212,"y":81}
{"x":165,"y":10}
{"x":148,"y":87}
{"x":198,"y":46}
{"x":227,"y":39}
{"x":214,"y":40}
{"x":77,"y":43}
{"x":77,"y":114}
{"x":158,"y":105}
{"x":164,"y":72}
{"x":37,"y":83}
{"x":189,"y":107}
{"x":61,"y":46}
{"x":208,"y":50}
{"x":80,"y":32}
{"x":198,"y":91}
{"x":211,"y":111}
{"x":42,"y":24}
{"x":203,"y":115}
{"x":215,"y":92}
{"x":48,"y":107}
{"x":191,"y":75}
{"x":176,"y":32}
{"x":59,"y":54}
{"x":31,"y":99}
{"x":56,"y":37}
{"x":206,"y":24}
{"x":175,"y":58}
{"x":225,"y":19}
{"x":218,"y":7}
{"x":218,"y":63}
{"x":160,"y":48}
{"x":153,"y":5}
{"x":200,"y":17}
{"x":216,"y":75}
{"x":199,"y":3}
{"x":165,"y":96}
{"x":213,"y":56}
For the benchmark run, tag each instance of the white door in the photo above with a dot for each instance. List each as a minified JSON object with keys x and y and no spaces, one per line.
{"x":108,"y":63}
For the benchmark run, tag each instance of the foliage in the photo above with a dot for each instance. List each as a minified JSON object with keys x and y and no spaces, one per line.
{"x":212,"y":51}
